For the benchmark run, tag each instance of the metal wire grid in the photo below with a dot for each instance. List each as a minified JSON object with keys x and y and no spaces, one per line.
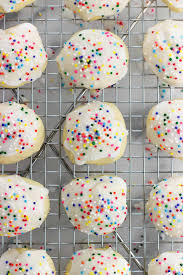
{"x":134,"y":95}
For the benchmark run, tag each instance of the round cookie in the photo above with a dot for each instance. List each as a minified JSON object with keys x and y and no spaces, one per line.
{"x":97,"y":261}
{"x":95,"y":205}
{"x":96,"y":9}
{"x":20,"y":261}
{"x":24,"y":205}
{"x":22,"y":132}
{"x":22,"y":56}
{"x":95,"y":133}
{"x":7,"y":6}
{"x":163,"y":51}
{"x":174,"y":5}
{"x":165,"y":127}
{"x":93,"y":59}
{"x":167,"y":263}
{"x":165,"y":206}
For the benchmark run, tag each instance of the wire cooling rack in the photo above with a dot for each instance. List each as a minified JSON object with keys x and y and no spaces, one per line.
{"x":137,"y":240}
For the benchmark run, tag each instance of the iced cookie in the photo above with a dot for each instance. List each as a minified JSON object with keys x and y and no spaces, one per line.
{"x":165,"y":127}
{"x":165,"y":206}
{"x":163,"y":51}
{"x":7,"y":6}
{"x":21,"y":132}
{"x":95,"y":205}
{"x":97,"y":261}
{"x":175,"y":5}
{"x":21,"y":261}
{"x":95,"y":133}
{"x":167,"y":263}
{"x":24,"y":205}
{"x":22,"y":56}
{"x":93,"y":59}
{"x":96,"y":9}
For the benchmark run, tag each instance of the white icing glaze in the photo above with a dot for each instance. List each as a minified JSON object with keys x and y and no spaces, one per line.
{"x":22,"y":206}
{"x":165,"y":206}
{"x":102,"y":261}
{"x":91,"y":9}
{"x":163,"y":51}
{"x":26,"y":262}
{"x":19,"y":128}
{"x":93,"y":59}
{"x":165,"y":127}
{"x":170,"y":263}
{"x":96,"y":132}
{"x":11,"y":5}
{"x":22,"y":56}
{"x":95,"y":205}
{"x":175,"y":4}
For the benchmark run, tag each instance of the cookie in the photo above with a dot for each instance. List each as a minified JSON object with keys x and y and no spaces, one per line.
{"x":167,"y":263}
{"x":165,"y":127}
{"x":24,"y":205}
{"x":22,"y":132}
{"x":165,"y":206}
{"x":97,"y":261}
{"x":95,"y":133}
{"x":93,"y":59}
{"x":174,"y":5}
{"x":95,"y":205}
{"x":22,"y":56}
{"x":95,"y":9}
{"x":163,"y":51}
{"x":7,"y":6}
{"x":27,"y":262}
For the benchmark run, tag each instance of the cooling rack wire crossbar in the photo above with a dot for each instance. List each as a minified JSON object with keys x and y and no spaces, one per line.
{"x":51,"y":167}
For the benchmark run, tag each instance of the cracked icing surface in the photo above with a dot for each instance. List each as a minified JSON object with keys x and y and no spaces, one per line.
{"x":93,"y":59}
{"x":94,"y":9}
{"x":22,"y":56}
{"x":95,"y":205}
{"x":23,"y":205}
